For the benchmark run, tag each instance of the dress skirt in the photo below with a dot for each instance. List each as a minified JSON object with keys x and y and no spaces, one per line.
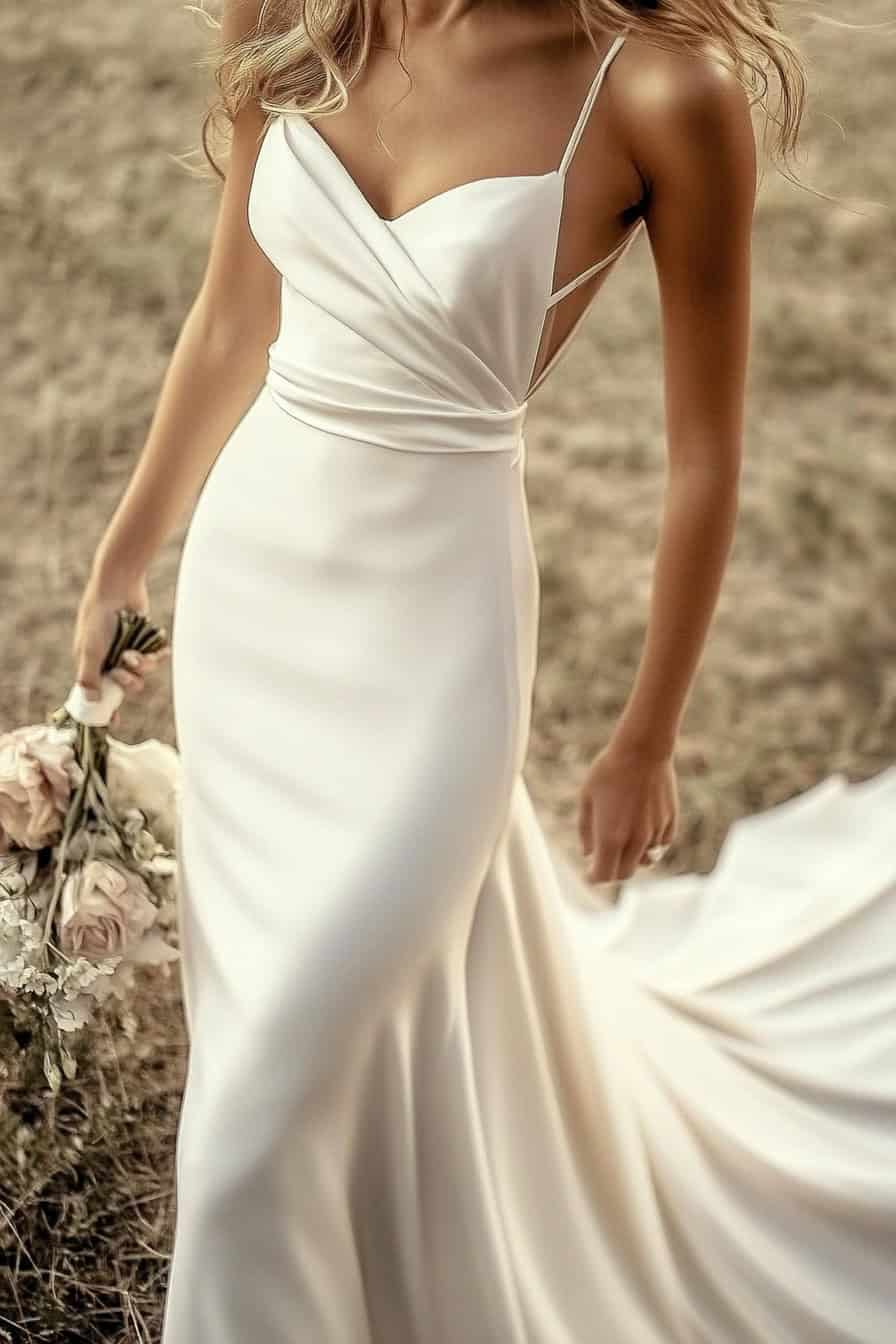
{"x":433,"y":1095}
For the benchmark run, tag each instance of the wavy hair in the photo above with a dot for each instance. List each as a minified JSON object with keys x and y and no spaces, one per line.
{"x":304,"y":55}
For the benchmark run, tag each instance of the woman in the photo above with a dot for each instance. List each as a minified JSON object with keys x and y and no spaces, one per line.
{"x":429,"y":1097}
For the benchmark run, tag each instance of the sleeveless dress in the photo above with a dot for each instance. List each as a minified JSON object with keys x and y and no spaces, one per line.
{"x":436,"y":1094}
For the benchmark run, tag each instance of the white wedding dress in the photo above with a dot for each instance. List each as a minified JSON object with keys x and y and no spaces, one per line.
{"x":436,"y":1094}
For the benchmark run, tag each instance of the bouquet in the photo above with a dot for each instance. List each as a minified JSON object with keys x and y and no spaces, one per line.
{"x":87,"y":861}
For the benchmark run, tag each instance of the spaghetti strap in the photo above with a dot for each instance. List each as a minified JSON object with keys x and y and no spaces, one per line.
{"x":571,"y":145}
{"x":598,"y":266}
{"x":567,"y":289}
{"x":588,"y":104}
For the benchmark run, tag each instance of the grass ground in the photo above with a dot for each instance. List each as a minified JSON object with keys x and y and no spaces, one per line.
{"x":103,"y":240}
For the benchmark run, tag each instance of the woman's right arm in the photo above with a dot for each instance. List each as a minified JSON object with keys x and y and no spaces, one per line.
{"x":216,"y":370}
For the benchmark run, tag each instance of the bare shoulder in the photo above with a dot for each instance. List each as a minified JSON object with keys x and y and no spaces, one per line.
{"x":676,"y":108}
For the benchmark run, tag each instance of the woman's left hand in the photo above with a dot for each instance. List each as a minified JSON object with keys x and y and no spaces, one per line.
{"x":628,"y":804}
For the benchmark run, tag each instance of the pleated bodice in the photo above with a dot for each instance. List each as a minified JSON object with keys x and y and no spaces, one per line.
{"x":408,"y":332}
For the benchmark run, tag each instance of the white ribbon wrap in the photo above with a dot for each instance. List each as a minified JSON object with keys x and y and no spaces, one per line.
{"x":95,"y":713}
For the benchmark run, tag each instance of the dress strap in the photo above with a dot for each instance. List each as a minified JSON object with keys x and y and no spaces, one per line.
{"x":598,"y":266}
{"x":588,"y":104}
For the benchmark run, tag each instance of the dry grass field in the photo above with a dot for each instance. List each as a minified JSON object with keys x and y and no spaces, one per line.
{"x":103,"y":246}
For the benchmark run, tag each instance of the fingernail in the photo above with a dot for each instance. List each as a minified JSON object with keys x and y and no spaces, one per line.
{"x":90,"y":692}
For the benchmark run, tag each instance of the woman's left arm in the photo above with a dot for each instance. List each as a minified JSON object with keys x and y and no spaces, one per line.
{"x":691,"y":135}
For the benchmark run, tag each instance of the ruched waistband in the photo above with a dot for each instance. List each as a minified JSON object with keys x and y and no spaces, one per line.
{"x":415,"y":425}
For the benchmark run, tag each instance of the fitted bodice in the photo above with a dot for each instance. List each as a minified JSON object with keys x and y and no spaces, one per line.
{"x":421,"y":332}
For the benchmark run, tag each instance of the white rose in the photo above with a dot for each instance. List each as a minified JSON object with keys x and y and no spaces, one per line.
{"x":146,"y":775}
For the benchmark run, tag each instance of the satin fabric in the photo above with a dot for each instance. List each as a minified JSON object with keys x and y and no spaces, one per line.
{"x":435,"y":1093}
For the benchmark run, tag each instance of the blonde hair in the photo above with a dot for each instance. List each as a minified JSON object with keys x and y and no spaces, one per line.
{"x":304,"y":54}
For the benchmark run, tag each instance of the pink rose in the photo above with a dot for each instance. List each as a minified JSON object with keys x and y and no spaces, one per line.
{"x":37,"y":769}
{"x":104,"y":911}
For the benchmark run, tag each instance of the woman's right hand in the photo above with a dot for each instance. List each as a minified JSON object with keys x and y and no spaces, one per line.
{"x":95,"y":625}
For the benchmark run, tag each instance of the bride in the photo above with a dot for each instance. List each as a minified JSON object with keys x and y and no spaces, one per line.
{"x":435,"y":1095}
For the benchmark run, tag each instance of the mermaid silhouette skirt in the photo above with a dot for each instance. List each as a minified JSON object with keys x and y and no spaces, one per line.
{"x":433,"y":1095}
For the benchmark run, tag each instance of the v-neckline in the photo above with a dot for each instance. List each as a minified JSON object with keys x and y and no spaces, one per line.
{"x":460,"y":187}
